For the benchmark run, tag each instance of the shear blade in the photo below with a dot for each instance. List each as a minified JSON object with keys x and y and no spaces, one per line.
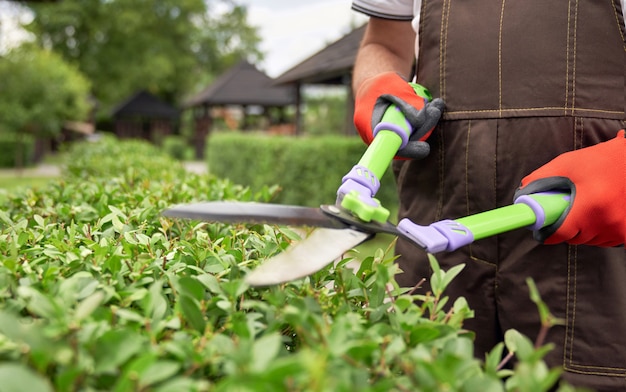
{"x":245,"y":212}
{"x":320,"y":248}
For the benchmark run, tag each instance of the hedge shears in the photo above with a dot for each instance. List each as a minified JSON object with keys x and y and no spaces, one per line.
{"x":357,"y":216}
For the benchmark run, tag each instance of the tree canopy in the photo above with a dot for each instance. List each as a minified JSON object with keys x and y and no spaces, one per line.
{"x":39,"y":91}
{"x":168,"y":47}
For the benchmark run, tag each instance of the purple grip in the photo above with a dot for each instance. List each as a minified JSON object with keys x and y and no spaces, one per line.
{"x":446,"y":235}
{"x":361,"y":180}
{"x":398,"y":130}
{"x":537,"y":210}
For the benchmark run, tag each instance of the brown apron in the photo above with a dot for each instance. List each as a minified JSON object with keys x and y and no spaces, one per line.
{"x":531,"y":80}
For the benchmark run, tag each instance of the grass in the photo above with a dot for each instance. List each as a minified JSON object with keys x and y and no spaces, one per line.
{"x":9,"y":183}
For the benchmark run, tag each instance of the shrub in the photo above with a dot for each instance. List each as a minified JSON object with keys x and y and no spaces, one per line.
{"x":308,"y":170}
{"x":9,"y":147}
{"x":99,"y":292}
{"x":176,"y":146}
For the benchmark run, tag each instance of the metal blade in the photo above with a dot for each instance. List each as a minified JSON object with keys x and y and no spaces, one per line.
{"x":243,"y":212}
{"x":315,"y":252}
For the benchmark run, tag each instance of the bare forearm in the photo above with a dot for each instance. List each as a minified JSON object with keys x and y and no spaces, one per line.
{"x":386,"y":46}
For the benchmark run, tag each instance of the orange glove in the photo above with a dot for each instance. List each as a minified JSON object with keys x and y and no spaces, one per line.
{"x":595,"y":178}
{"x":377,"y":93}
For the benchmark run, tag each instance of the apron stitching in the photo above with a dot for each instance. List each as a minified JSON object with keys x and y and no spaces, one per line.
{"x":500,"y":61}
{"x":579,"y":109}
{"x":479,"y":260}
{"x":581,"y":133}
{"x":575,"y":134}
{"x":567,"y":349}
{"x":467,"y":200}
{"x":574,"y":58}
{"x":439,"y":212}
{"x":598,"y":367}
{"x":443,"y":43}
{"x":495,"y":166}
{"x":619,"y":25}
{"x":572,"y":370}
{"x":467,"y":147}
{"x":574,"y":249}
{"x":567,"y":56}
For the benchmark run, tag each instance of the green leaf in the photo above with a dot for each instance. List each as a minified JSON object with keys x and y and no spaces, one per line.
{"x":264,"y":351}
{"x":40,"y":304}
{"x":87,"y":306}
{"x":18,"y":378}
{"x":157,"y":372}
{"x":451,"y":274}
{"x":134,"y":371}
{"x":518,"y":344}
{"x":116,"y":347}
{"x":493,"y":358}
{"x":179,"y":384}
{"x":211,"y":283}
{"x":192,"y":313}
{"x":191,"y":287}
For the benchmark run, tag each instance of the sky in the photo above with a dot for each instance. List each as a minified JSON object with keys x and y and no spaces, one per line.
{"x":290,"y":30}
{"x":293,"y":30}
{"x":11,"y":13}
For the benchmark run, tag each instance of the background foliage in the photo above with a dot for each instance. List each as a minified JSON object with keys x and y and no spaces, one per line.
{"x":171,"y":47}
{"x":308,"y":169}
{"x":39,"y":91}
{"x":99,"y":292}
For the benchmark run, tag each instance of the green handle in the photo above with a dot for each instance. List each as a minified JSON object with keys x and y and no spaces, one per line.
{"x":386,"y":144}
{"x":522,"y":214}
{"x":532,"y":211}
{"x":392,"y":129}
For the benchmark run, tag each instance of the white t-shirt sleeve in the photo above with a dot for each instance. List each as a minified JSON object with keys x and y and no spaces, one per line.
{"x":386,"y":9}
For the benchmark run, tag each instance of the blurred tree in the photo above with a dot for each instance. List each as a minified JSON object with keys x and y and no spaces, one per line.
{"x":40,"y":91}
{"x":325,"y":112}
{"x":169,"y":47}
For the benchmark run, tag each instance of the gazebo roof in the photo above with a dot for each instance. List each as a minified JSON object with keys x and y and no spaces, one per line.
{"x":144,"y":104}
{"x":329,"y":65}
{"x":243,"y":84}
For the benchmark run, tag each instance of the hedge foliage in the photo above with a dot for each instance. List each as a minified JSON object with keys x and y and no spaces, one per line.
{"x":9,"y":148}
{"x":99,"y":292}
{"x":307,"y":169}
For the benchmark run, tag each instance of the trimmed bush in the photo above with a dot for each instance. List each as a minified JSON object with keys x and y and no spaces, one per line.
{"x":307,"y":169}
{"x":176,"y":146}
{"x":99,"y":292}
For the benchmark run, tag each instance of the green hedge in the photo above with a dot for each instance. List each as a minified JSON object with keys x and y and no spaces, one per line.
{"x":100,"y":292}
{"x":8,"y":148}
{"x":308,"y":169}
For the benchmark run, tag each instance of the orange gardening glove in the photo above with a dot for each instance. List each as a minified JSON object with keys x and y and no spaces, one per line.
{"x":377,"y":93}
{"x":595,"y":178}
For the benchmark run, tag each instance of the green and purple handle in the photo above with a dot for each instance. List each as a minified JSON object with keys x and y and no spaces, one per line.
{"x":360,"y":185}
{"x":530,"y":211}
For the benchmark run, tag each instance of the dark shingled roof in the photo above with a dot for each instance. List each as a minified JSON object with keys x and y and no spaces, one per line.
{"x":329,"y":65}
{"x":244,"y":84}
{"x":144,"y":104}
